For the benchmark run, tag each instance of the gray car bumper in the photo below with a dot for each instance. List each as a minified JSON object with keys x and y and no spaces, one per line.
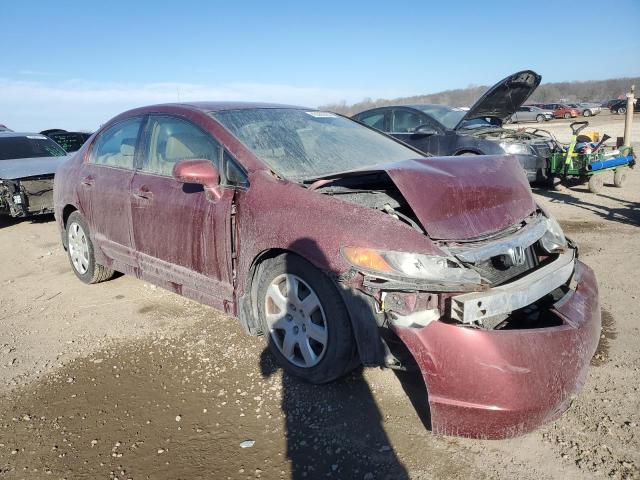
{"x":534,"y":166}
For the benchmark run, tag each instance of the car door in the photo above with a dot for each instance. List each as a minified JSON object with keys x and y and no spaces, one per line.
{"x":182,"y":236}
{"x":103,"y":189}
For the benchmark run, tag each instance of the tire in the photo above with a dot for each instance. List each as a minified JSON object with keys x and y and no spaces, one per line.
{"x":81,"y":252}
{"x":305,"y":356}
{"x":596,"y":182}
{"x":567,"y":115}
{"x":622,"y":110}
{"x":620,"y":177}
{"x":540,"y":118}
{"x":466,"y":154}
{"x":586,"y":113}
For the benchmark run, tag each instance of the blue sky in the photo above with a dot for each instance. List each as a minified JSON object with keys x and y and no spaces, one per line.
{"x":75,"y":64}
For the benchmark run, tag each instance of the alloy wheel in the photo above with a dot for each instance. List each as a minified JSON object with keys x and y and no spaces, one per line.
{"x":296,"y":320}
{"x":78,"y":248}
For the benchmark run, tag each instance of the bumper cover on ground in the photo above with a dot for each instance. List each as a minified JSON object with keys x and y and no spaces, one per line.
{"x":502,"y":383}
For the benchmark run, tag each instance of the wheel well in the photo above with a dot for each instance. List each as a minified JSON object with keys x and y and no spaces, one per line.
{"x":368,"y":343}
{"x":247,"y":308}
{"x":469,"y":152}
{"x":66,"y":212}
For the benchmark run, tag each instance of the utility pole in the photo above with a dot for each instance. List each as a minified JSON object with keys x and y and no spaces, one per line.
{"x":629,"y":117}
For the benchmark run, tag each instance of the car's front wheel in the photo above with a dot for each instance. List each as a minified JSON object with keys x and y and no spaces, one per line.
{"x":540,"y":118}
{"x":304,"y":320}
{"x":81,"y":253}
{"x":567,"y":115}
{"x":622,"y":110}
{"x":586,"y":113}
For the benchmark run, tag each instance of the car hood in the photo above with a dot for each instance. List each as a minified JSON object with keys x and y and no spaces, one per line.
{"x":503,"y":99}
{"x":461,"y":198}
{"x":30,"y":167}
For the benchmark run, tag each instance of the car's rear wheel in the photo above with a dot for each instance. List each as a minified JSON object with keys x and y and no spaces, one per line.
{"x":540,"y":118}
{"x":586,"y":113}
{"x":304,"y":320}
{"x":567,"y":115}
{"x":81,"y":253}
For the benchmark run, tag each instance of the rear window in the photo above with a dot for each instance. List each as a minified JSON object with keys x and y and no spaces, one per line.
{"x":29,"y":146}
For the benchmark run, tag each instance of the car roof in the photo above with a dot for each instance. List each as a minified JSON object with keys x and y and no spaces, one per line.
{"x":222,"y":106}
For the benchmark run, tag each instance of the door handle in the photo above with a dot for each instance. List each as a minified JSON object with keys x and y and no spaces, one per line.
{"x":143,"y":193}
{"x":88,"y":181}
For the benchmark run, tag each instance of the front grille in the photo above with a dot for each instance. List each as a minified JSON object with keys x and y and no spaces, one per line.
{"x":495,"y":272}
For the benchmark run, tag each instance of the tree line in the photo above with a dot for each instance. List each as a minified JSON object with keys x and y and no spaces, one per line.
{"x":587,"y":91}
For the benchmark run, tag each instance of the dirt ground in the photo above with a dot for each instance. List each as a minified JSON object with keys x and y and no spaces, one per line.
{"x":125,"y":380}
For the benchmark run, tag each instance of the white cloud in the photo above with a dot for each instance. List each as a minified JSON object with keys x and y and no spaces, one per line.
{"x":79,"y":104}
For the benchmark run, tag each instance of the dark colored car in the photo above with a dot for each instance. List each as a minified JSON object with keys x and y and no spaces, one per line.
{"x":28,"y":162}
{"x":608,"y":103}
{"x":69,"y":141}
{"x":620,"y":107}
{"x":441,"y":130}
{"x":561,"y":110}
{"x":343,"y":246}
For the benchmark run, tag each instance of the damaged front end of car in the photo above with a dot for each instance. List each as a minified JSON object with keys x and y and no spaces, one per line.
{"x":531,"y":146}
{"x":22,"y":197}
{"x":502,"y":325}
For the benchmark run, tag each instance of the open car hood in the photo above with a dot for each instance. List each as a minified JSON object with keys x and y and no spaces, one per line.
{"x":460,"y":198}
{"x":503,"y":99}
{"x":30,"y":167}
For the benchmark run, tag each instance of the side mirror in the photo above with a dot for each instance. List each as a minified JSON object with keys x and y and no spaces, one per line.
{"x":201,"y":172}
{"x":424,"y":130}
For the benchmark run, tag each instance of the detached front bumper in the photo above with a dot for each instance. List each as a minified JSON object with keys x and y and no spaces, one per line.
{"x":502,"y":383}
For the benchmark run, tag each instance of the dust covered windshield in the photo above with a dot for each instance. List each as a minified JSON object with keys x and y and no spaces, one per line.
{"x":29,"y":146}
{"x":299,"y":144}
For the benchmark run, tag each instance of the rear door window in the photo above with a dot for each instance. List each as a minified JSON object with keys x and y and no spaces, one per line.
{"x":116,"y":146}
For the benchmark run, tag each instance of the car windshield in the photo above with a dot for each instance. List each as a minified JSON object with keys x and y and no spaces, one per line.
{"x":29,"y":146}
{"x":450,"y":117}
{"x":304,"y":145}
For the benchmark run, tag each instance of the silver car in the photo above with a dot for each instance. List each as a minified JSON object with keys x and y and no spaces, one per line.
{"x":586,"y":109}
{"x":527,"y":113}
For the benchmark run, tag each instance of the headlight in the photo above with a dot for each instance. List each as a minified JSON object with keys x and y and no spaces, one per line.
{"x":514,"y":148}
{"x":553,"y":239}
{"x":413,"y":265}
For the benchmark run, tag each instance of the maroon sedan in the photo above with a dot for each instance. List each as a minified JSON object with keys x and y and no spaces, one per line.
{"x":343,"y":246}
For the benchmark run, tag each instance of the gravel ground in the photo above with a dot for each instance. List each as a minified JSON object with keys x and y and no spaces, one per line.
{"x":124,"y":380}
